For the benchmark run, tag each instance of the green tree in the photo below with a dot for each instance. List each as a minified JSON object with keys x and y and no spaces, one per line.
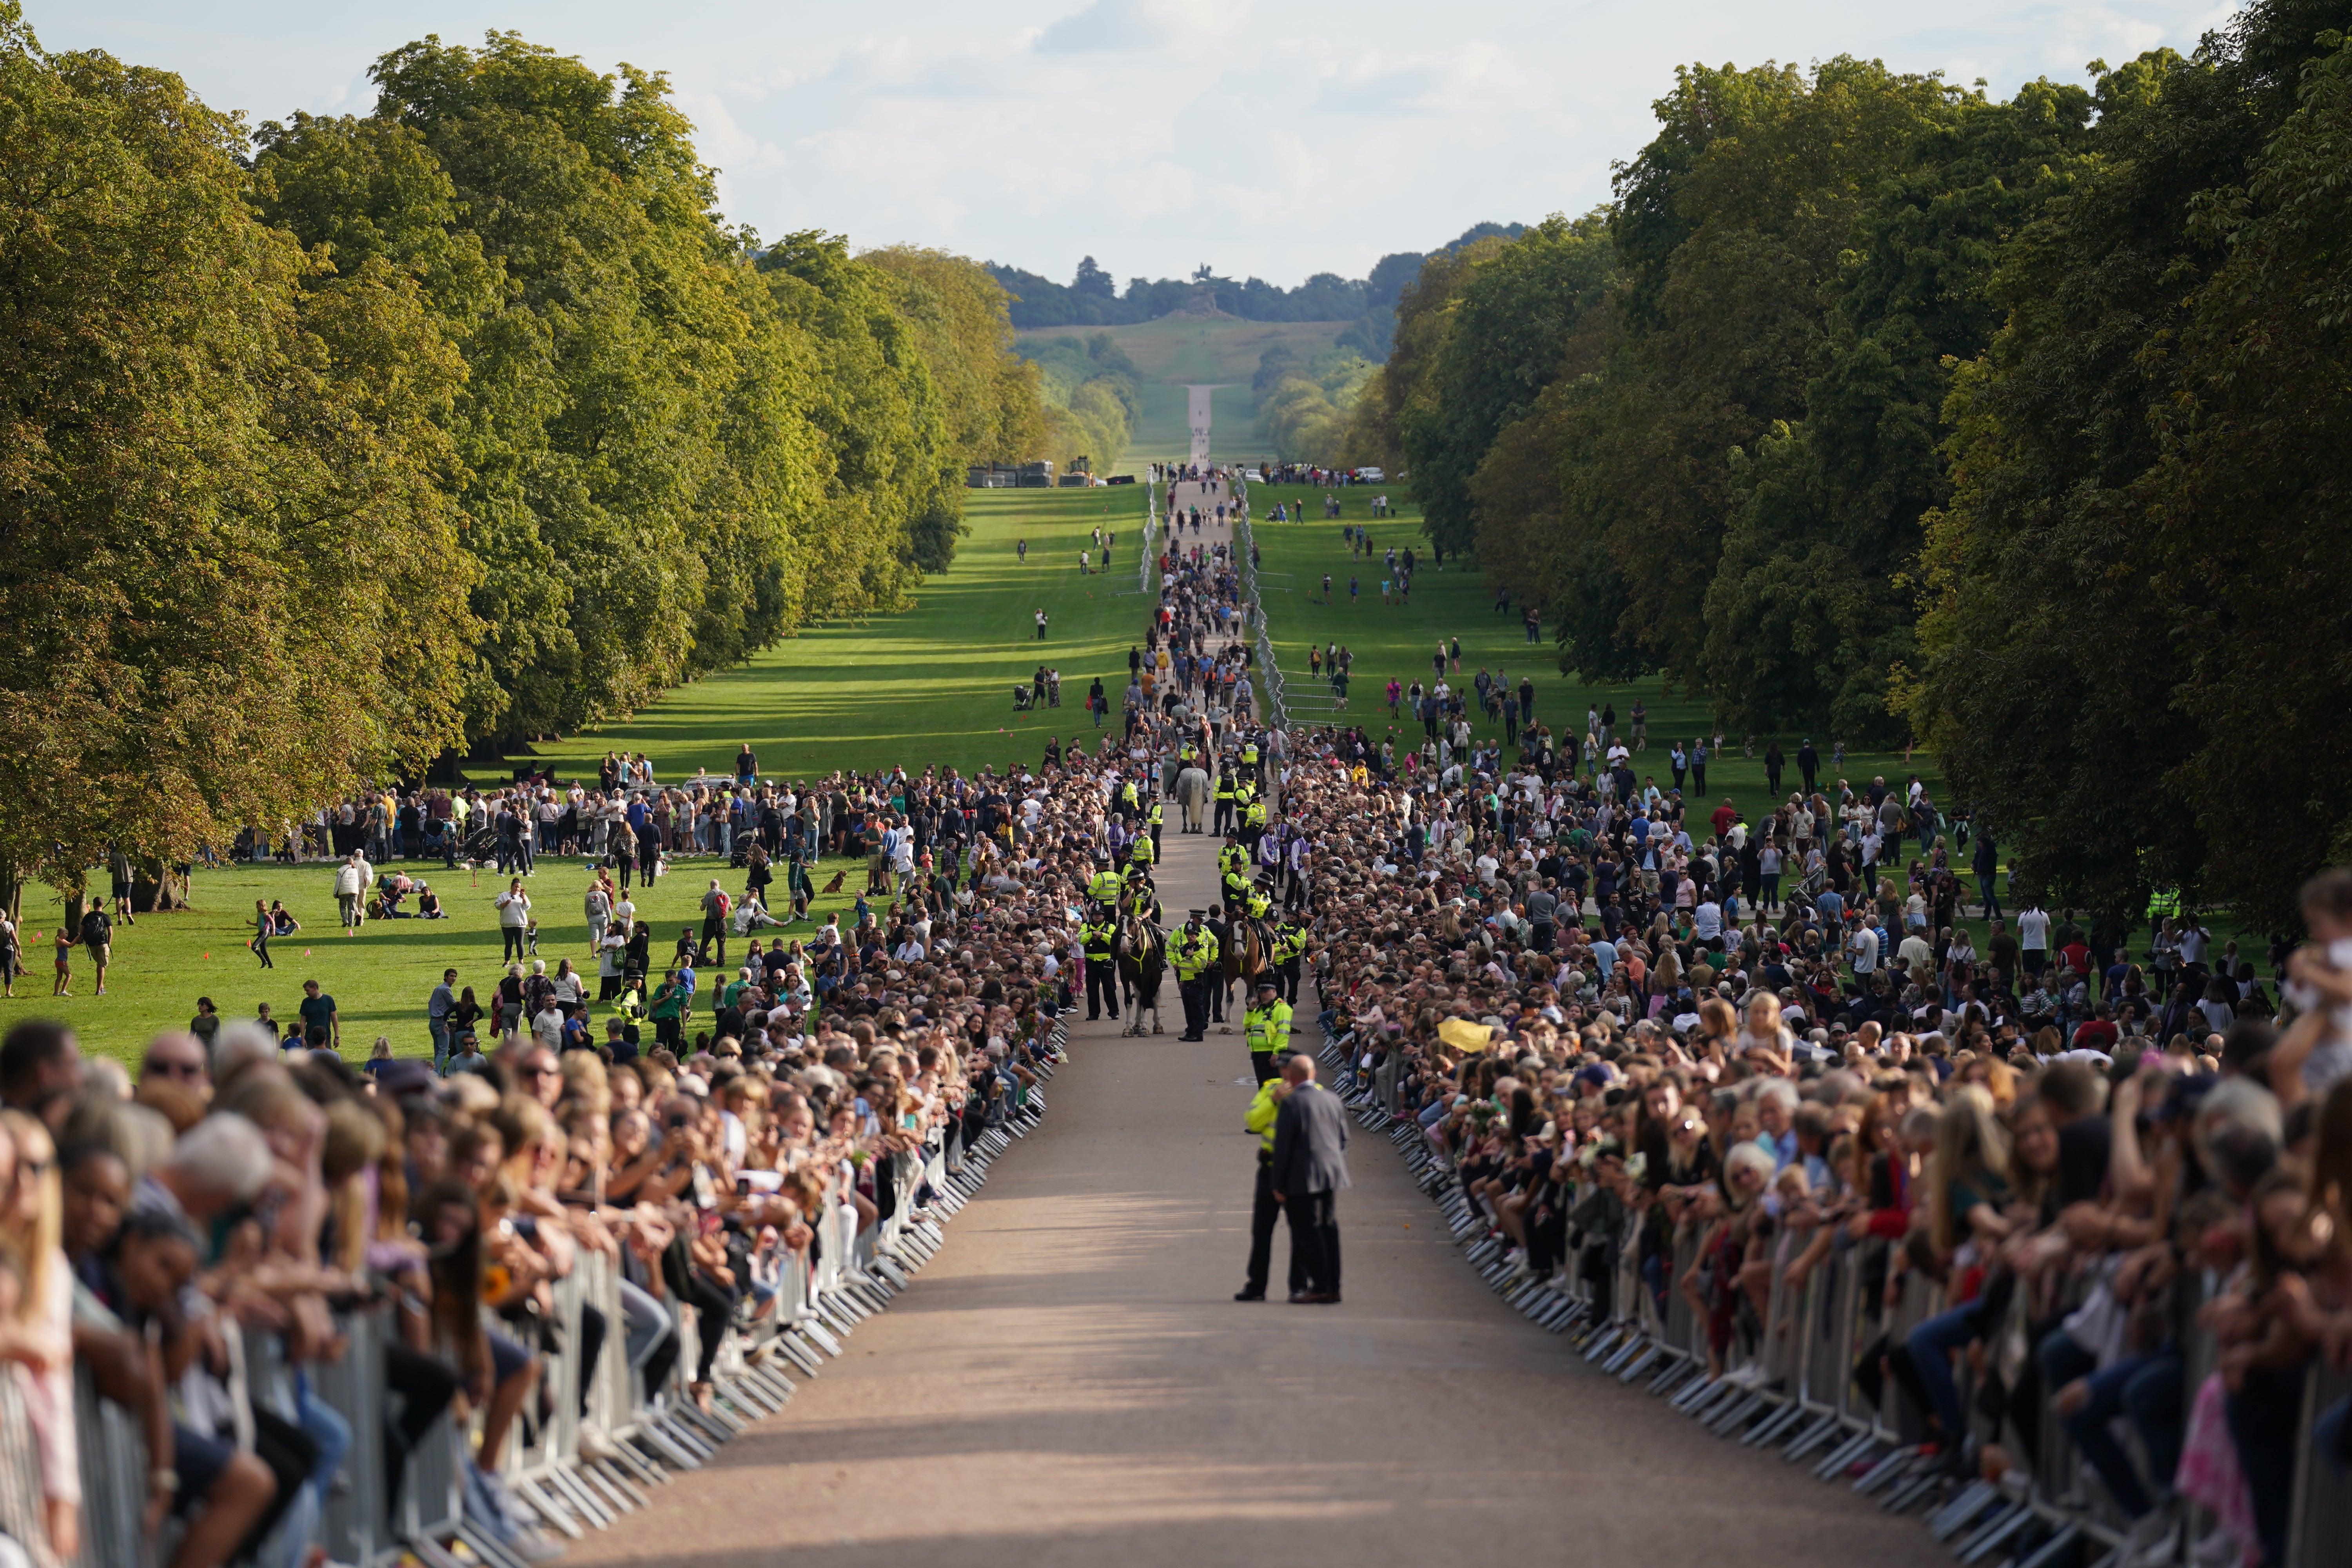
{"x":1730,"y":226}
{"x":2105,"y":442}
{"x":1813,"y":604}
{"x":1501,"y":335}
{"x":1092,"y":395}
{"x":233,"y":581}
{"x":637,"y":470}
{"x":873,"y":399}
{"x":994,"y":412}
{"x":2247,"y":499}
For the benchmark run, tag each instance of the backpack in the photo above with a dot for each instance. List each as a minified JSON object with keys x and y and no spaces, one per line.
{"x":726,"y":906}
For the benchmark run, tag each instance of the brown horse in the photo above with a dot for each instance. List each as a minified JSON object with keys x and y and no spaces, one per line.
{"x":1246,"y":954}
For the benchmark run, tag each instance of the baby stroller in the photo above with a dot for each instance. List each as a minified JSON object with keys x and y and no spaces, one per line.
{"x":1021,"y":701}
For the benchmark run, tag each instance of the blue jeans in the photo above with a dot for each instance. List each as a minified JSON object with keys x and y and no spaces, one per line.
{"x":2148,"y":1389}
{"x":440,"y":1047}
{"x":325,"y":1426}
{"x":1932,"y":1344}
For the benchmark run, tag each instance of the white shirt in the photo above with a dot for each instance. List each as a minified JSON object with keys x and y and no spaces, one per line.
{"x":2033,"y":932}
{"x":1863,"y":946}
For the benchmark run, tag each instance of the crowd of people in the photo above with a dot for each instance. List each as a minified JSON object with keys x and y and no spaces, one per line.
{"x":244,"y":1183}
{"x":248,"y":1181}
{"x":1653,"y":1040}
{"x":1623,"y":1021}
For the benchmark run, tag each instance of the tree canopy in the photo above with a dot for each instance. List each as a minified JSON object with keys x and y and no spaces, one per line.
{"x":1877,"y":409}
{"x":339,"y":444}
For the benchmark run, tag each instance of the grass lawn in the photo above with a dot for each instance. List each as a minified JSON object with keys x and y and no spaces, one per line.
{"x":933,"y":684}
{"x":1177,"y":350}
{"x":1458,"y":602}
{"x":379,"y":978}
{"x":1397,"y":640}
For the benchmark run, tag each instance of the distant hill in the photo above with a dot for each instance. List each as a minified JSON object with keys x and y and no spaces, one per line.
{"x":1092,"y":299}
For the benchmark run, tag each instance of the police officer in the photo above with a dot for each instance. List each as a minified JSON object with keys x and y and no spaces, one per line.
{"x":1192,"y":950}
{"x":1289,"y":947}
{"x":1267,"y":1027}
{"x":1249,"y":760}
{"x":1226,"y":791}
{"x":1214,"y":982}
{"x":1103,"y":889}
{"x":1264,"y":1210}
{"x":1254,"y":819}
{"x":1144,"y":849}
{"x":1159,"y":810}
{"x":1231,"y":856}
{"x":1102,"y":976}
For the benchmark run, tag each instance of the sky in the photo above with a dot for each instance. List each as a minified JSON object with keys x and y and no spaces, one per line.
{"x":1266,"y":138}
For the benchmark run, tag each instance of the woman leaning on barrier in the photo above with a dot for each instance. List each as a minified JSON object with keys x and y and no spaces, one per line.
{"x":36,"y":1330}
{"x":131,"y":1261}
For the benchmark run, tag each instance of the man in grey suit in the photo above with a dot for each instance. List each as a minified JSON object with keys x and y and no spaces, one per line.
{"x":1310,"y":1165}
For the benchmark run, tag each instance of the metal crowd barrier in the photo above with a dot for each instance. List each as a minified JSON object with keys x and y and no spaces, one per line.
{"x":850,"y":1274}
{"x":1151,"y":527}
{"x":1793,"y":1382}
{"x":1271,"y":691}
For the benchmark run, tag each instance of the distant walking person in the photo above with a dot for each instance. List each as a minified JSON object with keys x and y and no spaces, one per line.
{"x":514,"y":918}
{"x":1041,"y":626}
{"x":264,"y":928}
{"x":1311,"y":1166}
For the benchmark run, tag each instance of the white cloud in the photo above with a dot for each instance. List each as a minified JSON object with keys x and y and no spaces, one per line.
{"x":1269,"y":137}
{"x":1106,"y":26}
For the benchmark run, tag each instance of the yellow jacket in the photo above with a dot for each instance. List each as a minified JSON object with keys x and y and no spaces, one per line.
{"x":1262,"y":1112}
{"x":1268,"y":1029}
{"x":1192,"y":950}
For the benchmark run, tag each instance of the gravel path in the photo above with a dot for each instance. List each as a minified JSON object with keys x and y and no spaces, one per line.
{"x":1070,"y":1382}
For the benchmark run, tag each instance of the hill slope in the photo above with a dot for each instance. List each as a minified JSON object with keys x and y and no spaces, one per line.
{"x":1175,"y":351}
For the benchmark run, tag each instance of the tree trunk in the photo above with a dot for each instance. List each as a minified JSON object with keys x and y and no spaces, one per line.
{"x":77,"y":905}
{"x":157,"y":887}
{"x":12,"y":891}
